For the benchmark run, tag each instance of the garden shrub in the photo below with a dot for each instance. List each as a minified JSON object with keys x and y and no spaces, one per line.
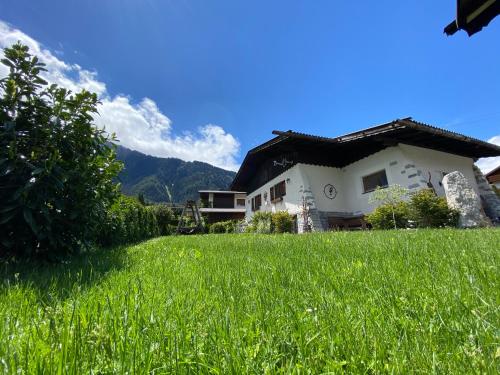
{"x":240,"y":226}
{"x":261,"y":222}
{"x":249,"y":228}
{"x":384,"y":216}
{"x":57,"y":169}
{"x":230,"y":226}
{"x":217,"y":227}
{"x":268,"y":222}
{"x":227,"y":226}
{"x":425,"y":209}
{"x":430,"y":211}
{"x":282,"y":222}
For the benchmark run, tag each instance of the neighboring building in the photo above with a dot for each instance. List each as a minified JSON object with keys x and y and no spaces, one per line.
{"x":493,"y":177}
{"x":335,"y":176}
{"x":218,"y":205}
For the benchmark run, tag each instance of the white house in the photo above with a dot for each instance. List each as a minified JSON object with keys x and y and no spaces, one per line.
{"x":334,"y":177}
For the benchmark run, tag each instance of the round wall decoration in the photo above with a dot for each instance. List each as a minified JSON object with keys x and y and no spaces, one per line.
{"x":330,"y":191}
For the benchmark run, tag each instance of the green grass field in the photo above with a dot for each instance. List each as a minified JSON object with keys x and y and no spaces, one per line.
{"x":422,"y":301}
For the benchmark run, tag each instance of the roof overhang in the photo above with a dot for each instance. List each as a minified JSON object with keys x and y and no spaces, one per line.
{"x":473,"y":15}
{"x":344,"y":150}
{"x":493,"y":175}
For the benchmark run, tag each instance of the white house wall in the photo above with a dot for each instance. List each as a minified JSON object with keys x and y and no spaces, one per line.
{"x":391,"y":159}
{"x":347,"y":181}
{"x":437,"y":162}
{"x":290,"y":201}
{"x":404,"y":165}
{"x":318,"y":177}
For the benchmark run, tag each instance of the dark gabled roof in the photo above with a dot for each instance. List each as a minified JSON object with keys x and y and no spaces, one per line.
{"x":346,"y":149}
{"x":494,"y":172}
{"x":473,"y":15}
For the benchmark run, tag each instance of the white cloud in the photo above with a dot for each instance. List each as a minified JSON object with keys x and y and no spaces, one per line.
{"x":140,"y":126}
{"x":488,"y":164}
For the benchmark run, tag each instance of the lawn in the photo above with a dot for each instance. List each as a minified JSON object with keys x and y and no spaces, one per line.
{"x":366,"y":302}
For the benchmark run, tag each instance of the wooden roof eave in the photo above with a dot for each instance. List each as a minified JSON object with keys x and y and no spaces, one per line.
{"x":438,"y":131}
{"x":493,"y":172}
{"x":401,"y":133}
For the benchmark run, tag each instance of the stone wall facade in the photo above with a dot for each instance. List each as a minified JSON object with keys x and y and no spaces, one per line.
{"x":489,"y":200}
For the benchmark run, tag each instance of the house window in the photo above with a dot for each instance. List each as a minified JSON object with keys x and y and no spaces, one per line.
{"x":374,"y":180}
{"x":240,"y":202}
{"x":256,"y":202}
{"x":278,"y":191}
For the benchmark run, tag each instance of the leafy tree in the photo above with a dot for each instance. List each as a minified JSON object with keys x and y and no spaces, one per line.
{"x":56,"y":168}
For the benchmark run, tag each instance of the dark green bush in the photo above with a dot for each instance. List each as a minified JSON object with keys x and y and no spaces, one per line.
{"x":430,"y":211}
{"x":128,"y":221}
{"x":282,"y":222}
{"x":56,"y":168}
{"x":384,"y":216}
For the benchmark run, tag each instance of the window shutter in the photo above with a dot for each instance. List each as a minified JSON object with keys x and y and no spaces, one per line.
{"x":282,"y":188}
{"x":278,"y":191}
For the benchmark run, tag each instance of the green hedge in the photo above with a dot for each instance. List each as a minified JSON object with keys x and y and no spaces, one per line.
{"x":166,"y":219}
{"x":128,"y":221}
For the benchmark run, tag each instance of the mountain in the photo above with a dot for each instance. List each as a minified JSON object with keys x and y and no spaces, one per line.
{"x":149,"y":175}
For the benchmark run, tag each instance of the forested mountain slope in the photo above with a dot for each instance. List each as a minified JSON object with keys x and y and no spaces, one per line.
{"x":151,"y":175}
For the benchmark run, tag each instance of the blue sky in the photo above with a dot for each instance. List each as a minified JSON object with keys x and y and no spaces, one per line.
{"x":221,"y":75}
